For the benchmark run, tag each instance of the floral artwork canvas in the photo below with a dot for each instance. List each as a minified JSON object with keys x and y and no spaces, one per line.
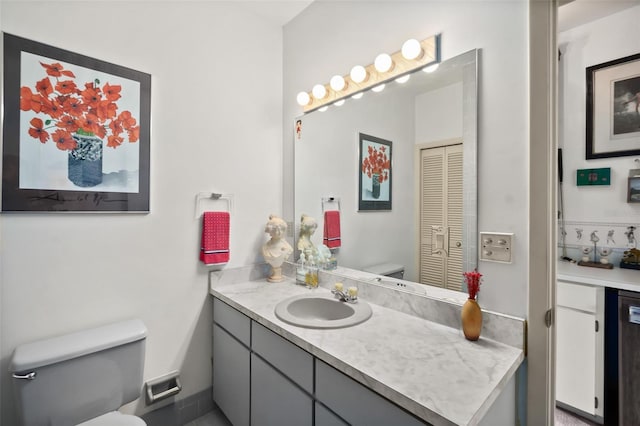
{"x":59,"y":101}
{"x":375,"y":173}
{"x":76,"y":132}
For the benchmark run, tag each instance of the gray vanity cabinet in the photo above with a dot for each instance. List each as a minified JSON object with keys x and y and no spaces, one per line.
{"x":231,"y":363}
{"x":355,"y":403}
{"x":260,"y":378}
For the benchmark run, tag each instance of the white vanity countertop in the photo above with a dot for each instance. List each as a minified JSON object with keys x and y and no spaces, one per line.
{"x":429,"y":369}
{"x":622,"y":279}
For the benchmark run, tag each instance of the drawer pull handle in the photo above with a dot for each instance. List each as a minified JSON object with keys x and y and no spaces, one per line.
{"x":634,"y":314}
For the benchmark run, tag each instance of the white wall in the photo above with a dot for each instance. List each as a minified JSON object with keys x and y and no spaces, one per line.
{"x":439,"y":114}
{"x":600,"y":41}
{"x":361,"y":30}
{"x":216,"y":118}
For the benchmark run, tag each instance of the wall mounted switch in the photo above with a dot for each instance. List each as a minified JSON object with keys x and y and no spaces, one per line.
{"x":496,"y":246}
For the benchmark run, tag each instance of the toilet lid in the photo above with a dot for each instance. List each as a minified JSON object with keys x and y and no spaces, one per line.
{"x":114,"y":418}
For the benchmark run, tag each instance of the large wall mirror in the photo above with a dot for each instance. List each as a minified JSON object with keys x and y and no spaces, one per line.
{"x":431,"y":124}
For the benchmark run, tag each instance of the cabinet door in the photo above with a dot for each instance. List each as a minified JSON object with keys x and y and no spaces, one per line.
{"x":324,"y":417}
{"x":275,"y":400}
{"x":576,"y":355}
{"x":231,"y":377}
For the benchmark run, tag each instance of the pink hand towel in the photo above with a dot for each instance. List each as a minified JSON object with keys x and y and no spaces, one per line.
{"x":331,"y":237}
{"x":215,"y":238}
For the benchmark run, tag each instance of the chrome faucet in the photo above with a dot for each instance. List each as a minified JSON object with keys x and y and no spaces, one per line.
{"x":344,"y":297}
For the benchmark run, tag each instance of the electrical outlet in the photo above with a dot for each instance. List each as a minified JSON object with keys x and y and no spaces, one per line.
{"x":496,"y":246}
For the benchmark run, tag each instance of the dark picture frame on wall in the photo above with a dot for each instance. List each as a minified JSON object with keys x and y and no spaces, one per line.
{"x":613,"y":108}
{"x":76,"y":132}
{"x":633,"y":189}
{"x":375,"y":173}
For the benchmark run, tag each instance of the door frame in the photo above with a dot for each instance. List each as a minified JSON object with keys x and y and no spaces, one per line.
{"x":543,"y":119}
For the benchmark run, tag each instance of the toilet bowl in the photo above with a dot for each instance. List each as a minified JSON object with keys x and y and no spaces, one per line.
{"x":392,"y":270}
{"x":81,"y":378}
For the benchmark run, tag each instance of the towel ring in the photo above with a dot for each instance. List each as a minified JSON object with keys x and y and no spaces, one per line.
{"x":213,"y":196}
{"x":330,"y":200}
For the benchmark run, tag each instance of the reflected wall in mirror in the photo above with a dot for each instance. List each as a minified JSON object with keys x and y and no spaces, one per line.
{"x":432,"y":121}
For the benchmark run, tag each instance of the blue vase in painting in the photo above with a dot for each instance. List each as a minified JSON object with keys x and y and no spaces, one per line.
{"x":375,"y":185}
{"x":85,"y":162}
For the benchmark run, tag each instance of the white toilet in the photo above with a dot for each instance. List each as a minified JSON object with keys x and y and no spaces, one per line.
{"x":392,"y":270}
{"x":81,"y":378}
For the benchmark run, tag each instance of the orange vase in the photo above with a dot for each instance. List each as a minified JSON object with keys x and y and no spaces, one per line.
{"x":471,"y":320}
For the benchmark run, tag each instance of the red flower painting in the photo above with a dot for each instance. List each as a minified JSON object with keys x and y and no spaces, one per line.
{"x":377,"y":163}
{"x":90,"y":109}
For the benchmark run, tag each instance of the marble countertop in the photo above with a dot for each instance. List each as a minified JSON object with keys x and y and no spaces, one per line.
{"x":429,"y":369}
{"x":622,"y":279}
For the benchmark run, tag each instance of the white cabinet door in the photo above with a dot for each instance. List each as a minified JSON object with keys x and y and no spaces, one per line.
{"x":575,"y":359}
{"x":580,"y":348}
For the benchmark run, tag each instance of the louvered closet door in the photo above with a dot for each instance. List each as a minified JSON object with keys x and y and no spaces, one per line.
{"x":441,"y":206}
{"x":431,"y":214}
{"x":453,"y":216}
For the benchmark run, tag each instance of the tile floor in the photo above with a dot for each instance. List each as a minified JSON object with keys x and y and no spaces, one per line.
{"x":562,"y":417}
{"x":212,"y":418}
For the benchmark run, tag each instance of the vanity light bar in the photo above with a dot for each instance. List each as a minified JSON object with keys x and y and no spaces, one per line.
{"x":400,"y":66}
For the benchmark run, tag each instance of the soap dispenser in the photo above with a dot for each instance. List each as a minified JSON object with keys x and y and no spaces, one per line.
{"x":301,"y":270}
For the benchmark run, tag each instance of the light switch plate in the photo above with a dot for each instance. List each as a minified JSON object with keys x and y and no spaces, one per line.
{"x":496,"y":246}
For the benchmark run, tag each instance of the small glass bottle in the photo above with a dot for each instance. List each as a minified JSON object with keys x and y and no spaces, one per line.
{"x":311,"y":278}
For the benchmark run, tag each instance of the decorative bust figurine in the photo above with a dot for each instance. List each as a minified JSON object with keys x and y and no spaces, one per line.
{"x":308,"y":226}
{"x":276,"y":250}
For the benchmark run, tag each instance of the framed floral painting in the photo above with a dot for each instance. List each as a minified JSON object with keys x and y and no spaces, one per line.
{"x":375,"y":173}
{"x":613,"y":108}
{"x":75,"y":130}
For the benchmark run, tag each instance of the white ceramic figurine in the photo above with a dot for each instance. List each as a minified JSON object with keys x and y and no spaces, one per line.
{"x":276,"y":250}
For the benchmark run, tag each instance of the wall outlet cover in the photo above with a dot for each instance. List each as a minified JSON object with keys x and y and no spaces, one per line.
{"x":590,"y":177}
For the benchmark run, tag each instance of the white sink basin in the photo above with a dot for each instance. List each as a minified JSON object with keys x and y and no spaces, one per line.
{"x":322,"y":311}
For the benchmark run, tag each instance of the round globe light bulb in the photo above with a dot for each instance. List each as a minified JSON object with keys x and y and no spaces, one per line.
{"x":411,"y":49}
{"x":357,"y":95}
{"x":378,"y":88}
{"x":337,"y":83}
{"x":303,"y":98}
{"x":339,"y":103}
{"x":431,"y":68}
{"x":383,"y":63}
{"x":319,"y":91}
{"x":323,"y":109}
{"x":403,"y":79}
{"x":358,"y":74}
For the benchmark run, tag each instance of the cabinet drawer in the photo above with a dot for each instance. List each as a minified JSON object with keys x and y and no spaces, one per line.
{"x":355,"y":403}
{"x":292,"y":361}
{"x":576,"y":296}
{"x":236,"y":323}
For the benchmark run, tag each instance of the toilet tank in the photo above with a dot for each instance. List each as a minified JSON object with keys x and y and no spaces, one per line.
{"x":392,"y":270}
{"x":69,"y":379}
